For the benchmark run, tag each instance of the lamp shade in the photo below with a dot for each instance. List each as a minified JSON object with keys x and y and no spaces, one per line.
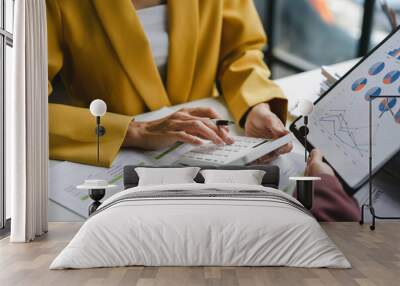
{"x":98,"y":107}
{"x":306,"y":107}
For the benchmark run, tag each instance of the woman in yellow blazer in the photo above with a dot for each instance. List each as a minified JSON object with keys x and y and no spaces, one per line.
{"x":99,"y":50}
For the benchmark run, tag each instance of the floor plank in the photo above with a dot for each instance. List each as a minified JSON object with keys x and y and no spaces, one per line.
{"x":375,"y":257}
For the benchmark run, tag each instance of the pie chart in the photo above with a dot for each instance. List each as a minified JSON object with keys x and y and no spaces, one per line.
{"x":376,"y":68}
{"x":394,"y":53}
{"x":359,"y":84}
{"x":375,"y":91}
{"x":397,"y":117}
{"x":391,"y":77}
{"x":387,"y":104}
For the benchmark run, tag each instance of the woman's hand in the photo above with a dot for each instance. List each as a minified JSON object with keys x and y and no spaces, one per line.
{"x":316,"y":166}
{"x":261,"y":122}
{"x":188,"y":125}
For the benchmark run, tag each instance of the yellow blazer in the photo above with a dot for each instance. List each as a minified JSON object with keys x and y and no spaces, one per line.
{"x":99,"y":50}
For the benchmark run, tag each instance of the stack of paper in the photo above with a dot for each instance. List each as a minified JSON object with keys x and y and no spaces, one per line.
{"x":330,"y":78}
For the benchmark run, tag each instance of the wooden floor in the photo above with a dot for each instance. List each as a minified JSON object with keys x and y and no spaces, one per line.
{"x":375,"y":257}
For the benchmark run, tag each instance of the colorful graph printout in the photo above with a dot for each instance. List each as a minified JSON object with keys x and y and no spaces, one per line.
{"x":391,"y":77}
{"x":376,"y":68}
{"x":395,"y":53}
{"x":375,"y":91}
{"x":359,"y":84}
{"x":339,"y":125}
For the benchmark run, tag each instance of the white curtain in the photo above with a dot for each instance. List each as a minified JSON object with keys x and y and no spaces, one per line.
{"x":27,"y":124}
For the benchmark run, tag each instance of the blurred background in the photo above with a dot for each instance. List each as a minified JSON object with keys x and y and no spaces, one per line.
{"x":305,"y":34}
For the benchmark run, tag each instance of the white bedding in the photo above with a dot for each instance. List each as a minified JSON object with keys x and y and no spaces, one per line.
{"x":185,"y":230}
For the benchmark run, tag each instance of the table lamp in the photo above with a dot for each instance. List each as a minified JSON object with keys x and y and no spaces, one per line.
{"x":97,"y":188}
{"x":305,"y":185}
{"x":370,"y":205}
{"x":98,"y":108}
{"x":305,"y":107}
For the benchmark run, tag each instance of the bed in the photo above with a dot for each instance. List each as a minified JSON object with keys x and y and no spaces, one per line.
{"x":201,"y":224}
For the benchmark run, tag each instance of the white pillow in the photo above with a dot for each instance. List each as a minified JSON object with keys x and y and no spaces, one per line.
{"x":166,"y":176}
{"x":246,"y":177}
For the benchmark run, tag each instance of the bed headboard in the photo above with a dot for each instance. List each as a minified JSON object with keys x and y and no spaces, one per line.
{"x":271,"y":177}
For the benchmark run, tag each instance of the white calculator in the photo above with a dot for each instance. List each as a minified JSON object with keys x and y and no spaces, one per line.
{"x":244,"y":151}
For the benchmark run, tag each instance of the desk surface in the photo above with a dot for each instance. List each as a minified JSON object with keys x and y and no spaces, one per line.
{"x":306,"y":85}
{"x":303,"y":85}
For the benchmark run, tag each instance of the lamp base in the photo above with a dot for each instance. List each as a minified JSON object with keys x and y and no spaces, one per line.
{"x":96,"y":195}
{"x":305,"y":190}
{"x":305,"y":193}
{"x":374,"y":216}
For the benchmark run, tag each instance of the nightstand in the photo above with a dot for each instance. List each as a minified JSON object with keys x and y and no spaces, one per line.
{"x":305,"y":190}
{"x":97,"y":190}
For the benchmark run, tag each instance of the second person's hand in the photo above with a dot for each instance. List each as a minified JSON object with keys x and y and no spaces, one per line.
{"x":316,"y":165}
{"x":188,"y":125}
{"x":261,"y":122}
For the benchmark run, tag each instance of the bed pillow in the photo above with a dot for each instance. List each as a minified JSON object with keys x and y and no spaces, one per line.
{"x":245,"y":177}
{"x":166,"y":176}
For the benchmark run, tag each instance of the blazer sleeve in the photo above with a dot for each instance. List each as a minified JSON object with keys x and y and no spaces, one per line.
{"x":332,"y":203}
{"x":72,"y":129}
{"x":243,"y":75}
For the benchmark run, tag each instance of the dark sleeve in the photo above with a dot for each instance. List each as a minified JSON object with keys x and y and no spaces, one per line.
{"x":332,"y":203}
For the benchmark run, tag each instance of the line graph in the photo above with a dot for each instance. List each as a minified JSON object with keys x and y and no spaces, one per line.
{"x":334,"y":123}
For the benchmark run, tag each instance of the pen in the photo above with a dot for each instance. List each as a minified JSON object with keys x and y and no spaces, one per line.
{"x":222,"y":122}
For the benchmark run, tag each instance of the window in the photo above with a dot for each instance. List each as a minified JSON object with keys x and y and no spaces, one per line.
{"x":307,"y":29}
{"x":6,"y":60}
{"x":305,"y":34}
{"x":381,"y":25}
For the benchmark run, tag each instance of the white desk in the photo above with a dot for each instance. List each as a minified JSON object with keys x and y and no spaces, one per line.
{"x":307,"y":85}
{"x":303,"y":85}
